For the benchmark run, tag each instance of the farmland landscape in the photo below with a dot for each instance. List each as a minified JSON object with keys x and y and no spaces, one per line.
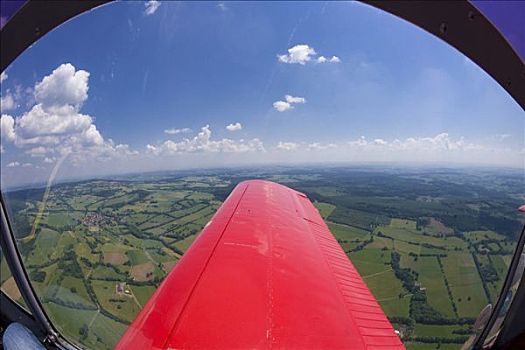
{"x":433,"y":245}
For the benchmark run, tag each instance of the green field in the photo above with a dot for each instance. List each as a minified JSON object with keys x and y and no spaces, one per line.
{"x":185,"y":243}
{"x":465,"y":283}
{"x":477,"y":236}
{"x":371,"y":261}
{"x":61,"y":220}
{"x":137,"y":257}
{"x":348,"y":233}
{"x":325,"y":209}
{"x":73,"y":290}
{"x":388,"y":291}
{"x":425,"y":330}
{"x":157,"y":220}
{"x":143,"y":293}
{"x":46,"y":244}
{"x":405,"y":230}
{"x":432,"y":279}
{"x":124,"y":307}
{"x":103,"y":332}
{"x":429,"y":346}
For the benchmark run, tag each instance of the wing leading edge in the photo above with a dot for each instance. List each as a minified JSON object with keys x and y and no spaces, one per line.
{"x":265,"y":273}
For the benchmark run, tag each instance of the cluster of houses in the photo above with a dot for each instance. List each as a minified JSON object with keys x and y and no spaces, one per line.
{"x":122,"y":289}
{"x":93,"y":219}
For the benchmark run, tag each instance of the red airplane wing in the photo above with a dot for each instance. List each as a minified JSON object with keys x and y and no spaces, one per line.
{"x":265,"y":273}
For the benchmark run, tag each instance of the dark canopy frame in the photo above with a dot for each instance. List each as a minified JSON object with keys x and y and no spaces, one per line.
{"x":459,"y":23}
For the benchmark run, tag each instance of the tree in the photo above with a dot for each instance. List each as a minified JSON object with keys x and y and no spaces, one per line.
{"x":37,"y":276}
{"x":83,"y":331}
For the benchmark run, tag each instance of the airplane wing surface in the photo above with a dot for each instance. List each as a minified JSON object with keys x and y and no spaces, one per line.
{"x":264,"y":273}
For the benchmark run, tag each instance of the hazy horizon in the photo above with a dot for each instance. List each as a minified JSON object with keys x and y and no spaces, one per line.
{"x":265,"y":168}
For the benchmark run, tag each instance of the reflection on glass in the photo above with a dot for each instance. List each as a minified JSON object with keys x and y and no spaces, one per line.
{"x":118,"y":149}
{"x":7,"y":282}
{"x":507,"y":301}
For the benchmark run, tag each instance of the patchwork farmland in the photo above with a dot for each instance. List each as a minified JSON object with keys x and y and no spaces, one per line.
{"x":100,"y":248}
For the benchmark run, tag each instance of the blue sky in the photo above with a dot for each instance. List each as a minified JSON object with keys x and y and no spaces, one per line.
{"x":364,"y":86}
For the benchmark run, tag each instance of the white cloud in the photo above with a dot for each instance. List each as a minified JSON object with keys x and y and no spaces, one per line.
{"x":441,"y":143}
{"x":90,"y":136}
{"x":13,"y":164}
{"x":380,"y":142}
{"x":441,"y":148}
{"x":203,"y":142}
{"x":222,"y":6}
{"x":361,"y":141}
{"x":287,"y":146}
{"x":122,"y":150}
{"x":174,"y":131}
{"x":316,"y":146}
{"x":65,"y":86}
{"x":7,"y":102}
{"x":7,"y":130}
{"x":151,"y":7}
{"x":40,"y":121}
{"x":282,"y":106}
{"x":333,"y":59}
{"x":298,"y":54}
{"x":234,"y":127}
{"x":303,"y":146}
{"x":3,"y":77}
{"x":55,"y":119}
{"x":302,"y":54}
{"x":291,"y":99}
{"x":55,"y":126}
